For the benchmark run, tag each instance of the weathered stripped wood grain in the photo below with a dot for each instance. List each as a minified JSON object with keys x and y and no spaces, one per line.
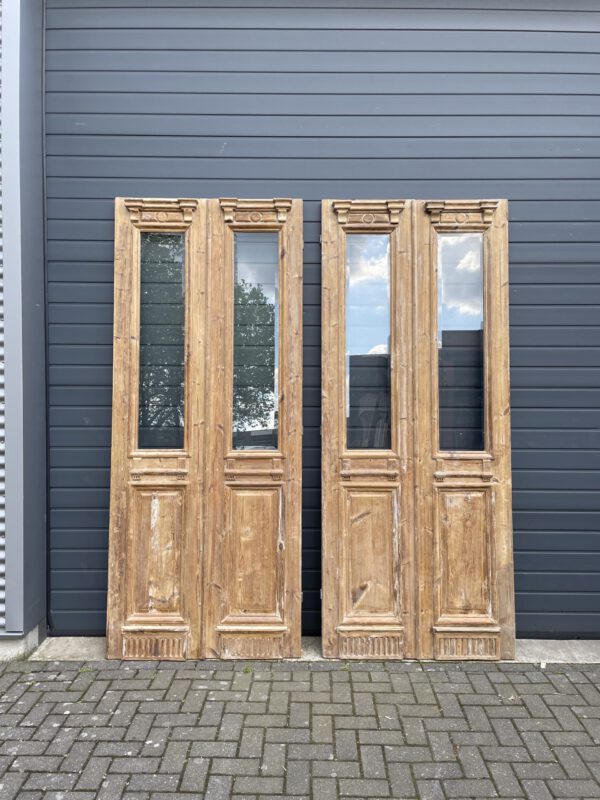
{"x":417,"y":542}
{"x":205,"y":541}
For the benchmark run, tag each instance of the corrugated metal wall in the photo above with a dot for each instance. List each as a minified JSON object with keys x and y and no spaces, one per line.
{"x":344,"y":99}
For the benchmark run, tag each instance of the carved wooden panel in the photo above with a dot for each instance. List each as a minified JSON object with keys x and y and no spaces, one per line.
{"x":461,"y":645}
{"x":464,"y":555}
{"x":254,"y":537}
{"x":371,"y":643}
{"x":155,"y":645}
{"x":156,"y":540}
{"x":372,"y":530}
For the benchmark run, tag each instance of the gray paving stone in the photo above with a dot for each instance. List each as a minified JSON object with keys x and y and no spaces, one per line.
{"x":334,"y":769}
{"x":297,"y":780}
{"x":146,"y":766}
{"x":235,"y":766}
{"x":345,"y":746}
{"x":505,"y":780}
{"x":430,"y":790}
{"x":94,"y":773}
{"x":401,"y":781}
{"x":324,"y":788}
{"x":537,"y":790}
{"x":153,"y":783}
{"x":49,"y":781}
{"x":258,"y":785}
{"x":194,"y":775}
{"x":10,"y":784}
{"x":575,"y":788}
{"x":469,"y":788}
{"x":143,"y":731}
{"x":112,"y":787}
{"x":364,"y":788}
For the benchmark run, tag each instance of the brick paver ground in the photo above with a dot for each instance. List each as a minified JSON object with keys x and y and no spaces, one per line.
{"x":148,"y":731}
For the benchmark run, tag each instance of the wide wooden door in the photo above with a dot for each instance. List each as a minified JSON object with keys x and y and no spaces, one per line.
{"x":417,"y":535}
{"x":204,"y":548}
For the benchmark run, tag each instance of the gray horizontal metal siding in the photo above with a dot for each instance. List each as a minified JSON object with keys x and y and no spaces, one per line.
{"x":2,"y":428}
{"x":280,"y":98}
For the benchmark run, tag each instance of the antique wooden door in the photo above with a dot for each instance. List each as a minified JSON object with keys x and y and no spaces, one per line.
{"x":417,"y":536}
{"x":254,"y":441}
{"x":205,"y":480}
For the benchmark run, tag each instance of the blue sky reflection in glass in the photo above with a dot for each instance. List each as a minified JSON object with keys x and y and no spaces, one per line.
{"x":368,"y":399}
{"x":460,"y":282}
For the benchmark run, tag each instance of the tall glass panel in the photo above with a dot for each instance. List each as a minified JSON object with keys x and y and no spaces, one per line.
{"x":256,"y":341}
{"x":460,"y":341}
{"x":162,"y":336}
{"x":368,"y":402}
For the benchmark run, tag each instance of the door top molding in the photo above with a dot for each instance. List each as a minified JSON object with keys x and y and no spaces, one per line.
{"x":450,"y":215}
{"x":157,"y":213}
{"x":255,"y":212}
{"x":368,"y":213}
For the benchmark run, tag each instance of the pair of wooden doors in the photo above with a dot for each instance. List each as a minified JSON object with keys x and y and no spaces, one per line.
{"x":204,"y":552}
{"x":205,"y":530}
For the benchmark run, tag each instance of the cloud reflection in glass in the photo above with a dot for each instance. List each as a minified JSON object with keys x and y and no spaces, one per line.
{"x":460,"y":340}
{"x":368,"y":400}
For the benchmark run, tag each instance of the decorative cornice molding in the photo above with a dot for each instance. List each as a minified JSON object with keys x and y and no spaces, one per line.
{"x":451,"y":215}
{"x":156,"y":214}
{"x":255,"y":212}
{"x":368,"y":213}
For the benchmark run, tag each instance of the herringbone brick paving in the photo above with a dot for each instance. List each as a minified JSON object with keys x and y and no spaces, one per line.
{"x":329,"y":731}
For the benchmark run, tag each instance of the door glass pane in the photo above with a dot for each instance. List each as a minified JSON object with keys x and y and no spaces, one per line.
{"x":460,"y":340}
{"x":162,"y":333}
{"x":255,"y":340}
{"x":368,"y":402}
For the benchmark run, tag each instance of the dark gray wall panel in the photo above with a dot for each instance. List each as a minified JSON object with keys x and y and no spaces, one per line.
{"x":280,"y":98}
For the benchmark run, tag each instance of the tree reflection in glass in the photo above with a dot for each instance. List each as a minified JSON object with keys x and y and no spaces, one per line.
{"x":368,"y":400}
{"x":162,"y":334}
{"x":255,"y":341}
{"x":460,"y":340}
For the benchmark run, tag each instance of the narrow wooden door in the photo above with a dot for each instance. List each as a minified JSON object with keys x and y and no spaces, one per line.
{"x":157,"y":471}
{"x":463,"y":521}
{"x":254,"y":443}
{"x":206,"y":474}
{"x":367,"y":484}
{"x":417,"y":536}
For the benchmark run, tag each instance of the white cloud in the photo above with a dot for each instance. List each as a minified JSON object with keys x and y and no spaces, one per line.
{"x":460,"y":275}
{"x":368,"y":258}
